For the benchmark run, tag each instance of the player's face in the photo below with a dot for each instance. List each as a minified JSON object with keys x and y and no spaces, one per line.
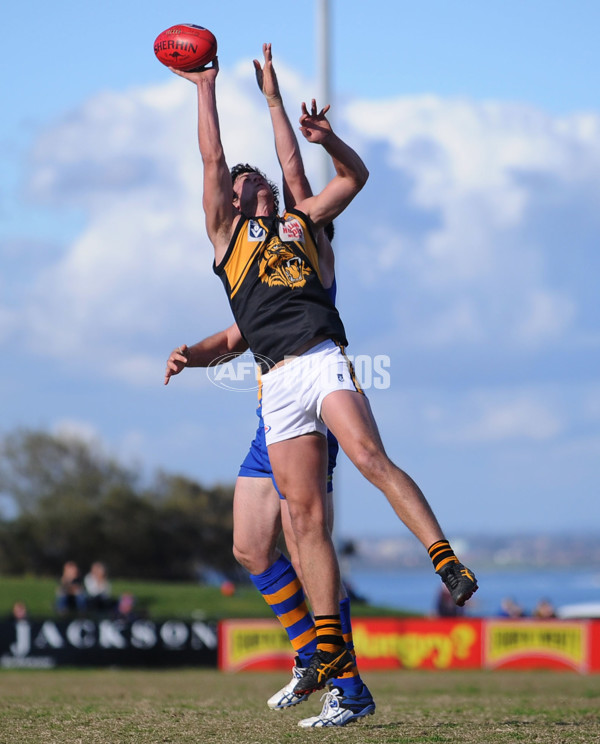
{"x":248,"y":187}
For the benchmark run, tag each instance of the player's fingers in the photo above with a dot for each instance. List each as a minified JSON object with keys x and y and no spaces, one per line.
{"x":313,"y":108}
{"x":325,"y":110}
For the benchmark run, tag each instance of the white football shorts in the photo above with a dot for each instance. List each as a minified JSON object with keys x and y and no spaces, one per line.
{"x":293,"y":393}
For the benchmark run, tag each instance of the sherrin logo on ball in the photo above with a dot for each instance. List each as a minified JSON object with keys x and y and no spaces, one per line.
{"x":185,"y":46}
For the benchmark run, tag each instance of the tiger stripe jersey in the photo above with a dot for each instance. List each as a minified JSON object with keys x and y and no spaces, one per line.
{"x":272,"y":278}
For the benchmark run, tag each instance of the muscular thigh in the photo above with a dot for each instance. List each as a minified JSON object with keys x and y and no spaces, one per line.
{"x":348,"y":416}
{"x":300,"y":470}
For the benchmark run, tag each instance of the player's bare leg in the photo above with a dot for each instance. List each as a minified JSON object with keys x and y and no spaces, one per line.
{"x":300,"y":470}
{"x":348,"y":698}
{"x":290,"y":538}
{"x":348,"y":415}
{"x":256,"y":523}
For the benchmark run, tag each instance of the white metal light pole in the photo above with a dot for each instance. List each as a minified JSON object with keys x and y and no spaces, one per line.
{"x":326,"y":169}
{"x":324,"y":76}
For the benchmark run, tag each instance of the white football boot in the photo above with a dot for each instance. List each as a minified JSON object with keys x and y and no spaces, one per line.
{"x":340,"y":709}
{"x":286,"y":697}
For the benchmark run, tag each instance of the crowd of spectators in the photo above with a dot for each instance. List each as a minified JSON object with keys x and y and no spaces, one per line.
{"x":543,"y":610}
{"x":509,"y":607}
{"x":91,"y":594}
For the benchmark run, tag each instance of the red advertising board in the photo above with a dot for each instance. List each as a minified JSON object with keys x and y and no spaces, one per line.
{"x":411,"y":643}
{"x":594,"y":636}
{"x":253,"y":644}
{"x":392,"y":643}
{"x":381,"y":643}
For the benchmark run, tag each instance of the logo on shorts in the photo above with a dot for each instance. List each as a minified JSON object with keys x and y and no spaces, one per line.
{"x":256,"y":232}
{"x":239,"y":373}
{"x":267,"y":428}
{"x":341,"y":378}
{"x":280,"y":267}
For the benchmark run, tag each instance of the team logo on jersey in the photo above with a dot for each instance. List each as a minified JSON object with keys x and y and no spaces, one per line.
{"x":256,"y":232}
{"x":279,"y":266}
{"x":291,"y":229}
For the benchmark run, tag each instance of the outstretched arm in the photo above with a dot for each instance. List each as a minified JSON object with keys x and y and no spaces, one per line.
{"x":295,"y":184}
{"x":351,"y":174}
{"x":296,"y":187}
{"x":217,"y":195}
{"x":205,"y":352}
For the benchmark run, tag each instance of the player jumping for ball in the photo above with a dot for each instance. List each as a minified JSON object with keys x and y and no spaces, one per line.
{"x":259,"y":511}
{"x":269,"y":266}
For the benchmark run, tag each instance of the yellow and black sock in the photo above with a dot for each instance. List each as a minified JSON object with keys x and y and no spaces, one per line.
{"x":329,"y":633}
{"x":441,"y":554}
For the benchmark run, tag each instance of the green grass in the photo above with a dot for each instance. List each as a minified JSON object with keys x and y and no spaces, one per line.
{"x":159,"y":599}
{"x":206,"y":707}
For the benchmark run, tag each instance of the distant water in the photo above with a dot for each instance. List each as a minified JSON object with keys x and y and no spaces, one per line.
{"x":416,"y":589}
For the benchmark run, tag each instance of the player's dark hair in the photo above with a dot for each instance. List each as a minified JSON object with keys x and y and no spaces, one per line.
{"x":241,"y":168}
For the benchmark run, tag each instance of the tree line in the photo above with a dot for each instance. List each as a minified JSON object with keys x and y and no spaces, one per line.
{"x":74,"y":502}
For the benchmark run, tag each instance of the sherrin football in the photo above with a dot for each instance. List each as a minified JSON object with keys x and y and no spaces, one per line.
{"x":185,"y":47}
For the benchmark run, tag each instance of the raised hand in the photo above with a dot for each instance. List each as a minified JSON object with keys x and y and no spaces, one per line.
{"x":266,"y":77}
{"x":206,"y":73}
{"x":314,"y":126}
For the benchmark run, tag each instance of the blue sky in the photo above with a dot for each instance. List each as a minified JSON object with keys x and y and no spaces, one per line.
{"x":470,"y":259}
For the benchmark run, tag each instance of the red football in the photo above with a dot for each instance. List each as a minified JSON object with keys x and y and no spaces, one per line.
{"x":185,"y":47}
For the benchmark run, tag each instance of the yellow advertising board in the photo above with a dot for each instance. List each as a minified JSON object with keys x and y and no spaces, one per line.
{"x":530,"y":644}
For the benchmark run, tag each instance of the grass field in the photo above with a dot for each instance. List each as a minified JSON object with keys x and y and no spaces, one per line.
{"x":158,"y":598}
{"x":206,"y":707}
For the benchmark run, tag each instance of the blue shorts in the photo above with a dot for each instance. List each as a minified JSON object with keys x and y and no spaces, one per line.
{"x":258,"y":465}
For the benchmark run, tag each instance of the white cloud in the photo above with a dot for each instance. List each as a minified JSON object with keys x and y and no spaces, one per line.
{"x":8,"y":322}
{"x":459,"y":321}
{"x":517,"y":419}
{"x":78,"y":430}
{"x":547,"y":315}
{"x":478,"y":174}
{"x":495,"y":416}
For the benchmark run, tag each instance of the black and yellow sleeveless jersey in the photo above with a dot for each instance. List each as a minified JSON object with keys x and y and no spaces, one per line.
{"x":272,"y":278}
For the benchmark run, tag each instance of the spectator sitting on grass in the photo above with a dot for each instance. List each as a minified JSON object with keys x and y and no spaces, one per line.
{"x":19,"y":611}
{"x":126,"y":607}
{"x":98,"y":589}
{"x":70,"y":594}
